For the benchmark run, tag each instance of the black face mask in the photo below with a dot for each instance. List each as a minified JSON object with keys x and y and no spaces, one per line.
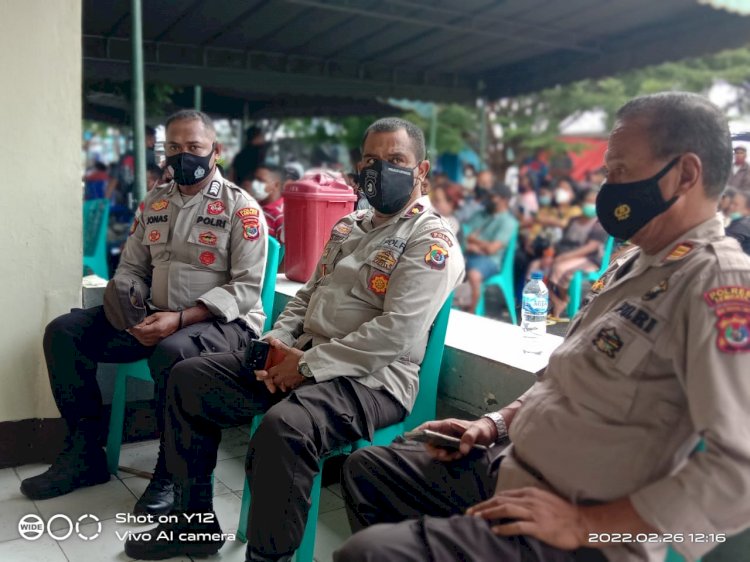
{"x":624,"y":208}
{"x":188,"y":168}
{"x":387,"y":187}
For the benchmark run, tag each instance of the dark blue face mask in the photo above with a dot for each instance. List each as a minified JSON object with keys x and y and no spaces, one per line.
{"x":624,"y":208}
{"x":387,"y":187}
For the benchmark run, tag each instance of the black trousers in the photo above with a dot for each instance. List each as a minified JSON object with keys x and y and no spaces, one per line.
{"x":76,"y":342}
{"x":206,"y":394}
{"x":410,"y":507}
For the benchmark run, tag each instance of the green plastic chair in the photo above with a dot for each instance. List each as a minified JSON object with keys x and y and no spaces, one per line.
{"x":423,"y":410}
{"x":139,"y":369}
{"x":575,"y":289}
{"x":95,"y":224}
{"x":504,"y":280}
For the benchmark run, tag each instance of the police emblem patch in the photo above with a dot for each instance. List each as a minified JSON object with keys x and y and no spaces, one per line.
{"x":251,"y":232}
{"x":341,"y":231}
{"x":597,"y":286}
{"x":732,"y":307}
{"x":608,"y":342}
{"x":215,"y":208}
{"x":654,"y":292}
{"x":154,"y":236}
{"x":200,"y":171}
{"x":622,"y":212}
{"x":208,"y":238}
{"x":378,"y":283}
{"x":159,"y":205}
{"x":213,"y":189}
{"x":436,"y":256}
{"x":207,"y":258}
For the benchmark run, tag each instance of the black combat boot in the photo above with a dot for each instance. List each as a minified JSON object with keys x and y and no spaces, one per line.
{"x":192,"y":531}
{"x":81,"y":463}
{"x":158,"y":498}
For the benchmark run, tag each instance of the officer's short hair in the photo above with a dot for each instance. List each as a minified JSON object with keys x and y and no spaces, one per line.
{"x":189,"y":115}
{"x":393,"y":124}
{"x":680,"y":122}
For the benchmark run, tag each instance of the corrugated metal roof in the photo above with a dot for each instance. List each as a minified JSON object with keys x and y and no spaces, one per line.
{"x":439,"y":50}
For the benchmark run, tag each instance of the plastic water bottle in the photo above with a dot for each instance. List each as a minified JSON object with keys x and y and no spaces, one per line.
{"x":535,"y":303}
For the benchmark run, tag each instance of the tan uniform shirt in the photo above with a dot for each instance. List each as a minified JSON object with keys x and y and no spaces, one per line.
{"x":658,"y":358}
{"x":210,"y":249}
{"x":369,"y":305}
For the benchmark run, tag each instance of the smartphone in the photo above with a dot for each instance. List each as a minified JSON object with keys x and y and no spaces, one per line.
{"x":438,"y":439}
{"x":256,"y":355}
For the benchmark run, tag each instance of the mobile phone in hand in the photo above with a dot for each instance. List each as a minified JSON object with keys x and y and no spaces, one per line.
{"x":439,"y":440}
{"x":256,"y":355}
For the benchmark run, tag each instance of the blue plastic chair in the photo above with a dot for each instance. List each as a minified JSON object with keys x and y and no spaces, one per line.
{"x":504,"y":280}
{"x":139,"y":369}
{"x":423,"y":410}
{"x":575,"y":289}
{"x":95,"y":224}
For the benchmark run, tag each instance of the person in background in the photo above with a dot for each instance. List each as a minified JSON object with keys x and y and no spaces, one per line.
{"x":293,"y":171}
{"x":581,"y":249}
{"x":724,"y":202}
{"x":485,"y":245}
{"x":527,"y":203}
{"x":473,"y":204}
{"x":469,"y":179}
{"x":265,"y":188}
{"x":95,"y":181}
{"x":121,"y":185}
{"x":740,"y":176}
{"x":250,"y":157}
{"x":445,"y":200}
{"x":154,"y":174}
{"x":739,"y":213}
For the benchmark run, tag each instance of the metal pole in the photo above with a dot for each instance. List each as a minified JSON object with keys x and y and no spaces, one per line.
{"x":483,"y":130}
{"x":245,"y":122}
{"x":433,"y":132}
{"x":139,"y":105}
{"x":198,"y":96}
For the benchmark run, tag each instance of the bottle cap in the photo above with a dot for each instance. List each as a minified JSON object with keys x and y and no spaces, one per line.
{"x":537,"y":275}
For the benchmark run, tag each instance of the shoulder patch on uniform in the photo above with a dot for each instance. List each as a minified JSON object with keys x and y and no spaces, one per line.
{"x":679,"y":252}
{"x":442,"y":236}
{"x":251,"y":231}
{"x":436,"y":257}
{"x":214,"y":188}
{"x":247,"y":212}
{"x":732,"y":307}
{"x":341,"y":231}
{"x":414,"y":210}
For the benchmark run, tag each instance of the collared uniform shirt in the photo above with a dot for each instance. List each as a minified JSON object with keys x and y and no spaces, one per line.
{"x":368,"y":307}
{"x":658,"y":358}
{"x":209,"y":249}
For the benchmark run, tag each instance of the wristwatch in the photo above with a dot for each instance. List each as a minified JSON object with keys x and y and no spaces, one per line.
{"x":499,"y":421}
{"x":304,"y":369}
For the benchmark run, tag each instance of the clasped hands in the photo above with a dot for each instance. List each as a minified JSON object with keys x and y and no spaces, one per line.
{"x":524,"y":511}
{"x":155,"y":328}
{"x":283,"y":372}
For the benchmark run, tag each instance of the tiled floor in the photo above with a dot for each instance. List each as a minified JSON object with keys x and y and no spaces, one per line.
{"x":118,"y":497}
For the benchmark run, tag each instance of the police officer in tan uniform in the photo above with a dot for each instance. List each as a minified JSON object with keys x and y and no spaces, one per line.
{"x":603,"y":463}
{"x":194,"y":261}
{"x":349,"y":348}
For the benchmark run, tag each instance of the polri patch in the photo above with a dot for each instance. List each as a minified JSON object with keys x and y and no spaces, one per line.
{"x":679,"y":252}
{"x":208,"y":238}
{"x":378,"y":283}
{"x":207,"y":258}
{"x":159,"y":205}
{"x":213,"y":189}
{"x":215,"y":208}
{"x":608,"y":341}
{"x":442,"y":236}
{"x":436,"y":257}
{"x":732,"y":307}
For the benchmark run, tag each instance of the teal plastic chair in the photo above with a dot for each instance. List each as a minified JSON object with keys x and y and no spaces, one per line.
{"x":575,"y":289}
{"x":504,"y":280}
{"x":423,"y":410}
{"x":139,"y":369}
{"x":95,"y":224}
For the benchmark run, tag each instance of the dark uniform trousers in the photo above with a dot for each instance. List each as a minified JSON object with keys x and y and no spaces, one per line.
{"x":75,"y":342}
{"x":206,"y":394}
{"x":411,"y":508}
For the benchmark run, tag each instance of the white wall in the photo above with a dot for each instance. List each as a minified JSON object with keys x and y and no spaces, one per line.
{"x":40,"y":191}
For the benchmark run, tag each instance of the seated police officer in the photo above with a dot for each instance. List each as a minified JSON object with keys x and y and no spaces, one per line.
{"x":600,"y":466}
{"x":350,"y":342}
{"x":188,"y":282}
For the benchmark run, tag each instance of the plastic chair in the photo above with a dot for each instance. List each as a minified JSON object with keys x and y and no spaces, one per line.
{"x":95,"y":224}
{"x":504,"y":280}
{"x":423,"y":410}
{"x":575,"y":289}
{"x":139,"y":369}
